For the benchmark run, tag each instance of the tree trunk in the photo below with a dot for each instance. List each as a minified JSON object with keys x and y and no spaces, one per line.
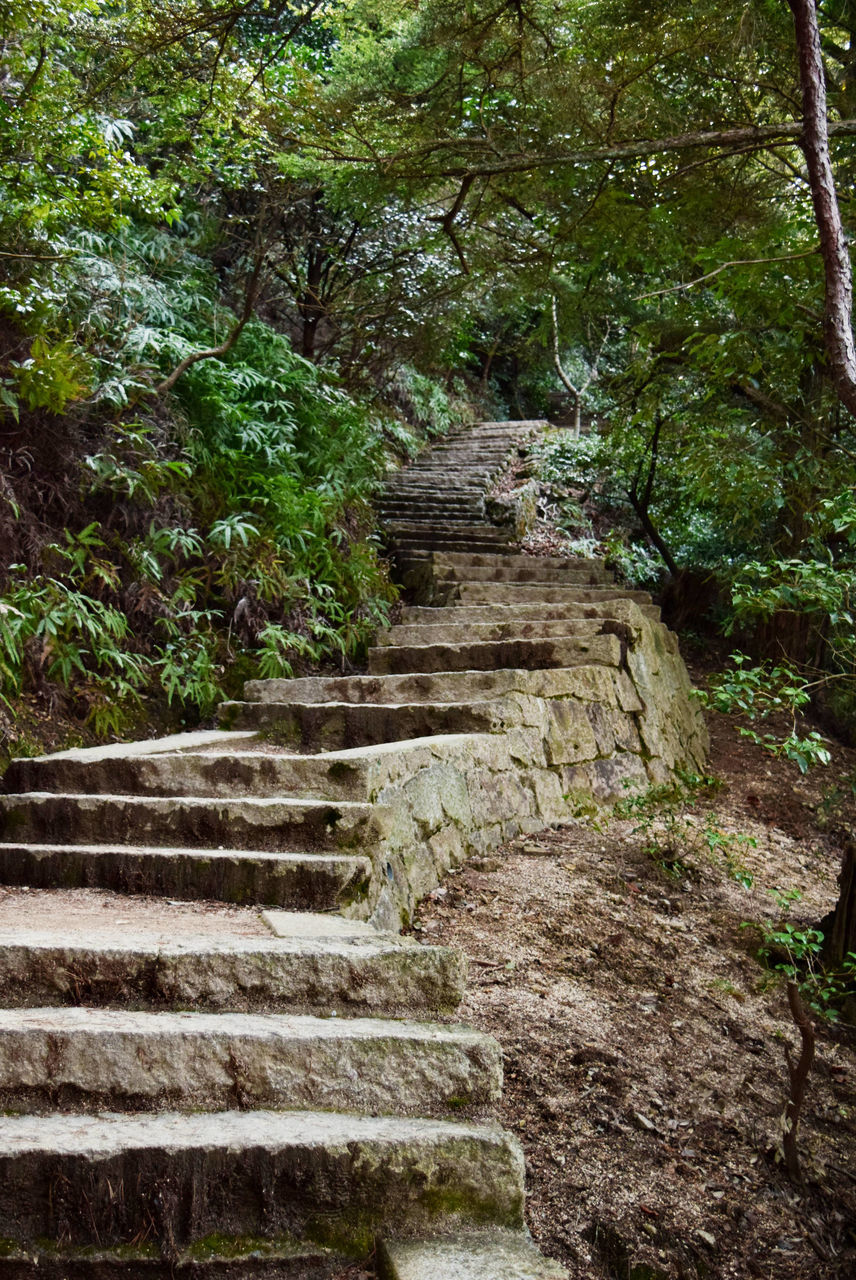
{"x":838,"y":330}
{"x":842,"y":935}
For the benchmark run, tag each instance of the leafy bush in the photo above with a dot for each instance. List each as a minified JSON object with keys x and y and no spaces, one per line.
{"x":239,"y":525}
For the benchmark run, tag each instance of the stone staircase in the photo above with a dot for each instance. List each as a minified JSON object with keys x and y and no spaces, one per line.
{"x":224,"y":1097}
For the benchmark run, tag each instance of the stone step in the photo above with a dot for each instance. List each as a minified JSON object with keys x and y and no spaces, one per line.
{"x":410,"y":482}
{"x":581,"y":563}
{"x":265,"y":772}
{"x":533,"y":574}
{"x":469,"y":1255}
{"x":456,"y":529}
{"x":338,"y":965}
{"x":560,"y":651}
{"x":523,"y":593}
{"x":419,"y":493}
{"x":389,"y":507}
{"x":614,"y":607}
{"x":466,"y":632}
{"x":406,"y":546}
{"x":407,"y":506}
{"x":88,"y":1060}
{"x":331,"y":775}
{"x":310,"y":882}
{"x":464,"y":466}
{"x":269,"y":824}
{"x":454,"y":615}
{"x":459,"y":471}
{"x":337,"y":726}
{"x":177,"y":1181}
{"x":430,"y":687}
{"x":247,"y":1259}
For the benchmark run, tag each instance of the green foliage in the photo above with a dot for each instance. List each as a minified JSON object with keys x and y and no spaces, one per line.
{"x":758,"y":691}
{"x":665,"y":816}
{"x":422,"y":401}
{"x":796,"y":951}
{"x":70,"y":638}
{"x":251,"y":508}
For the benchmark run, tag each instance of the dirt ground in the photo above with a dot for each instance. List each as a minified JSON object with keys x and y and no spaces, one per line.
{"x":644,"y":1042}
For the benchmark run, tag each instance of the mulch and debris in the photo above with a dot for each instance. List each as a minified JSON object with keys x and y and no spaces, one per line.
{"x":644,"y":1041}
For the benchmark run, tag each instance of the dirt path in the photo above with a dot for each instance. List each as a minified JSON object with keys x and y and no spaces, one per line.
{"x":645,"y":1070}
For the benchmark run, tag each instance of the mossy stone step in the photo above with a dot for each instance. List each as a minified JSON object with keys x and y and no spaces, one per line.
{"x":520,"y":561}
{"x":528,"y":611}
{"x":524,"y":593}
{"x":535,"y":573}
{"x":322,"y":1177}
{"x":404,"y":546}
{"x":354,"y":972}
{"x":270,"y":824}
{"x":583,"y":682}
{"x":561,"y":651}
{"x":497,"y":1255}
{"x":88,"y":1060}
{"x":338,"y":726}
{"x":420,"y":633}
{"x":449,"y":528}
{"x":310,"y":882}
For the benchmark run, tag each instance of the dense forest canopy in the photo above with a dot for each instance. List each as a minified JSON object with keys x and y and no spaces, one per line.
{"x":250,"y":251}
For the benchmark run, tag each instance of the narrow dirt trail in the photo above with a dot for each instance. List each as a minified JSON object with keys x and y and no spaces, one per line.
{"x":644,"y":1042}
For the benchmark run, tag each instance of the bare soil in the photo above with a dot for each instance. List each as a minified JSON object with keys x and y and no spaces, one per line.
{"x":644,"y":1041}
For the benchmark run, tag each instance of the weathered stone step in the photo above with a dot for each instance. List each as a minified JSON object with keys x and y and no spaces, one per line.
{"x":248,"y":1258}
{"x":416,"y":510}
{"x":178,"y":1180}
{"x":463,"y":469}
{"x":405,"y":546}
{"x":457,"y":529}
{"x":391,"y":508}
{"x":494,"y":1255}
{"x":443,"y":686}
{"x":350,"y":969}
{"x":464,"y":632}
{"x":311,"y":882}
{"x":615,"y":607}
{"x":533,"y":574}
{"x":332,"y":775}
{"x":522,"y":593}
{"x":74,"y":1059}
{"x":335,"y":726}
{"x":446,"y":501}
{"x":562,"y":651}
{"x":423,"y":482}
{"x":519,"y":561}
{"x":530,"y":611}
{"x":277,"y":824}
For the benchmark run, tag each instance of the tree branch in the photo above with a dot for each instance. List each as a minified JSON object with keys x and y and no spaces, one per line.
{"x":788,"y":133}
{"x":214,"y":353}
{"x":735,"y":262}
{"x":797,"y":1079}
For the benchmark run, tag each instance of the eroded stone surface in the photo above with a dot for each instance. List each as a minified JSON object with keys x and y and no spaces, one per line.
{"x":500,"y":1255}
{"x":91,"y":1059}
{"x":314,"y":1175}
{"x":370,"y":974}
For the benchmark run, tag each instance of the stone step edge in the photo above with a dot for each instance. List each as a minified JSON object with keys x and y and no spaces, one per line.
{"x":339,"y":1177}
{"x":360,"y":970}
{"x":82,"y":1059}
{"x":238,"y":876}
{"x":467,"y":1255}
